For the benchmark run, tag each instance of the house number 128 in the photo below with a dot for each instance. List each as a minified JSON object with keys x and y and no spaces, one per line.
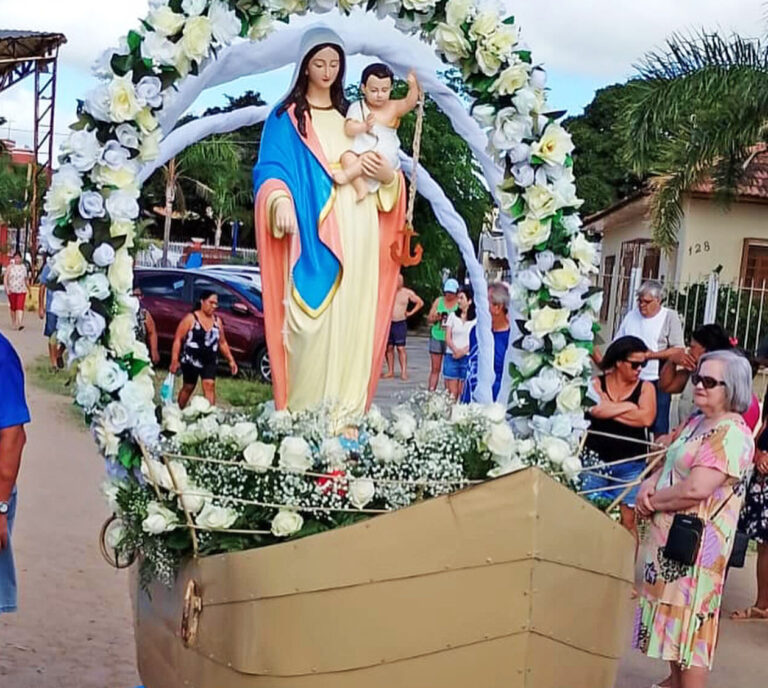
{"x":698,"y":248}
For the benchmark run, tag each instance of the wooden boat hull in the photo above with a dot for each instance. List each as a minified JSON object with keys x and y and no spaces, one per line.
{"x":516,"y":582}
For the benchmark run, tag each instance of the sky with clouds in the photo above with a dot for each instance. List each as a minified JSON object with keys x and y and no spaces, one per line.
{"x":584,"y":44}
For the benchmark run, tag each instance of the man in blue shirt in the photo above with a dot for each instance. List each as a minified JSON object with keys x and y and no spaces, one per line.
{"x":55,"y":350}
{"x":14,"y":414}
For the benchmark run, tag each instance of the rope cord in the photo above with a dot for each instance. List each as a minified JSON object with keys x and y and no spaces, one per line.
{"x":416,"y":154}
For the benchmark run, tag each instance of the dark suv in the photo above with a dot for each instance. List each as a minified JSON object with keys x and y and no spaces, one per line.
{"x":169,"y":294}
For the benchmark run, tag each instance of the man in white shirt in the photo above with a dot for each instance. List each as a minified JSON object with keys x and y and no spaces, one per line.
{"x":662,"y":332}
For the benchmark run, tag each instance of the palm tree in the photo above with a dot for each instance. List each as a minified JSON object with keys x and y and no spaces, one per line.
{"x":698,"y":110}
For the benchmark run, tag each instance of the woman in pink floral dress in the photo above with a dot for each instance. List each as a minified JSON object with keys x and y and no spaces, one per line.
{"x":704,"y":474}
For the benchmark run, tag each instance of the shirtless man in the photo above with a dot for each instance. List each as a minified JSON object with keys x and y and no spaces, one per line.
{"x":399,"y":327}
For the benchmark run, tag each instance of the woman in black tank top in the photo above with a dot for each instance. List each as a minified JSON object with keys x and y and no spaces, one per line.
{"x":626,"y":409}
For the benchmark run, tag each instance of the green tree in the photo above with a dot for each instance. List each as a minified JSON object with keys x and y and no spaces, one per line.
{"x":14,"y":206}
{"x":602,"y":173}
{"x":696,"y":111}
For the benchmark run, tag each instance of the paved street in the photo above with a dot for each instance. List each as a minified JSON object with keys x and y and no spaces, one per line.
{"x":74,"y":628}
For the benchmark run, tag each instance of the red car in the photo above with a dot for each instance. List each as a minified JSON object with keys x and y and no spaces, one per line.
{"x":169,"y":294}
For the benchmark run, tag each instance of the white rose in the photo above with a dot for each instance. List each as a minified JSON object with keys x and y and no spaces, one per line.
{"x":485,"y":115}
{"x":322,"y":6}
{"x":81,"y":348}
{"x":419,"y":5}
{"x":123,"y":104}
{"x":196,"y":38}
{"x":66,"y":186}
{"x":584,"y":251}
{"x":122,"y":205}
{"x":197,"y":406}
{"x":541,"y":202}
{"x":70,"y":263}
{"x":554,"y":145}
{"x":73,"y":302}
{"x":545,"y":260}
{"x":147,"y":430}
{"x":83,"y":148}
{"x":510,"y":129}
{"x":451,"y":42}
{"x":383,"y":448}
{"x":261,"y":28}
{"x":569,"y":398}
{"x":520,"y":152}
{"x":286,"y":523}
{"x":87,"y":396}
{"x":530,"y":362}
{"x":295,"y":454}
{"x":104,"y":255}
{"x":488,"y":62}
{"x":460,"y":413}
{"x":107,"y":441}
{"x":149,"y":90}
{"x":49,"y":242}
{"x":502,"y":40}
{"x":506,"y":466}
{"x":571,"y":360}
{"x":124,"y":177}
{"x":91,"y":325}
{"x":244,"y":433}
{"x":215,"y":517}
{"x":120,"y":273}
{"x":138,"y":394}
{"x":150,"y":145}
{"x":89,"y":367}
{"x":580,"y":327}
{"x":122,"y":335}
{"x":564,"y":192}
{"x":113,"y":155}
{"x":193,"y":7}
{"x":116,"y":417}
{"x":496,"y":413}
{"x":127,"y":136}
{"x":531,"y":232}
{"x":225,"y":26}
{"x":546,"y":320}
{"x":361,"y":492}
{"x":527,"y":100}
{"x":84,"y":233}
{"x":556,"y":449}
{"x":561,"y":279}
{"x":545,"y":386}
{"x":572,"y":224}
{"x":375,"y":419}
{"x":194,"y":498}
{"x":572,"y":467}
{"x":510,"y":80}
{"x":404,"y":426}
{"x":572,"y":299}
{"x":97,"y":102}
{"x":557,"y":340}
{"x":165,"y":21}
{"x":333,"y":452}
{"x":538,"y":78}
{"x":156,"y":473}
{"x":172,"y":422}
{"x":158,"y":48}
{"x":485,"y":24}
{"x":530,"y":278}
{"x":259,"y":455}
{"x":110,"y":489}
{"x":531,"y":343}
{"x":159,"y":519}
{"x":111,"y":377}
{"x":458,"y":11}
{"x":499,"y":439}
{"x":523,"y":174}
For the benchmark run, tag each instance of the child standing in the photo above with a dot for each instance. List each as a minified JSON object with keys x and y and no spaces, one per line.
{"x":373,"y":122}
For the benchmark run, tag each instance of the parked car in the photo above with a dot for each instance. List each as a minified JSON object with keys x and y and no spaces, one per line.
{"x":252,"y":273}
{"x":169,"y":294}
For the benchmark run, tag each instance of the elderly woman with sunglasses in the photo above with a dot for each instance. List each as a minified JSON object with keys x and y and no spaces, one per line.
{"x":626,"y":408}
{"x":703,"y":475}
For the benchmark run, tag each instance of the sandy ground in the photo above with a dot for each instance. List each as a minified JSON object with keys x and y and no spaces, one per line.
{"x":74,"y":629}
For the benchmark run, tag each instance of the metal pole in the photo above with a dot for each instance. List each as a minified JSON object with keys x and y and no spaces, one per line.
{"x":170,"y":195}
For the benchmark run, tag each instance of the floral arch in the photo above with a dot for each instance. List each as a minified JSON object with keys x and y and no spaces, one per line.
{"x":184,"y":46}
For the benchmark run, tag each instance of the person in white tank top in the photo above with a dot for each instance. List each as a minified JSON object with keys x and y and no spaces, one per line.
{"x":458,"y":327}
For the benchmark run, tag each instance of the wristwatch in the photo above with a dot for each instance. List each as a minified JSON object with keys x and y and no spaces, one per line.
{"x":5,"y":507}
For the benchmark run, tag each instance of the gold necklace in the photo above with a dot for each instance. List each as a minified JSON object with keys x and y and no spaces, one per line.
{"x":318,"y":107}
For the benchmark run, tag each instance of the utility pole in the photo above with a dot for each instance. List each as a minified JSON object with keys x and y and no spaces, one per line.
{"x":170,"y":196}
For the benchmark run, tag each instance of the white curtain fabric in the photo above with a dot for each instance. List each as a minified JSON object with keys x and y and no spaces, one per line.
{"x":379,"y":41}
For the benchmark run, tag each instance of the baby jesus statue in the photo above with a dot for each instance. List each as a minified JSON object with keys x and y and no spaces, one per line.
{"x":373,"y":123}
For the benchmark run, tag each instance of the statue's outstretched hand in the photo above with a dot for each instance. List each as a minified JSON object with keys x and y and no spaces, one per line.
{"x":285,"y":218}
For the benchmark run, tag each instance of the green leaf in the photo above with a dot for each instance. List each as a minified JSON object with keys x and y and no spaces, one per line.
{"x":128,"y":456}
{"x":121,"y":64}
{"x":175,"y":5}
{"x":518,"y":209}
{"x":179,"y":539}
{"x":87,"y":251}
{"x":509,"y":20}
{"x":194,"y":69}
{"x":525,"y":56}
{"x":134,"y":40}
{"x":168,"y":76}
{"x":536,"y":160}
{"x":135,"y":366}
{"x":147,"y":25}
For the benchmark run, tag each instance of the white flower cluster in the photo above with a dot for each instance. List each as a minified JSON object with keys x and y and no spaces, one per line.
{"x":91,"y":213}
{"x":225,"y":470}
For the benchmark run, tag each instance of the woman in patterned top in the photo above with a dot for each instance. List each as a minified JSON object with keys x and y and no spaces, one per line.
{"x":703,"y":474}
{"x":195,"y":350}
{"x":16,"y":282}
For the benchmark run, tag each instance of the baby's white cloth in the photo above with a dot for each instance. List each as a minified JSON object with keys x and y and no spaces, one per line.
{"x":382,"y":139}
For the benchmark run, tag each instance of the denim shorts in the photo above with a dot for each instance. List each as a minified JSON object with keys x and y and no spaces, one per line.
{"x":618,"y":475}
{"x":455,"y":368}
{"x":437,"y":346}
{"x":51,"y":323}
{"x":7,"y":571}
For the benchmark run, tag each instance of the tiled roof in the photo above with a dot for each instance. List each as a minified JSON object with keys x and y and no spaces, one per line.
{"x":755,"y":182}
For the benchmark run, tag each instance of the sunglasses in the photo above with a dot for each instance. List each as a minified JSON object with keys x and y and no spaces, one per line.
{"x":636,"y":365}
{"x":706,"y":381}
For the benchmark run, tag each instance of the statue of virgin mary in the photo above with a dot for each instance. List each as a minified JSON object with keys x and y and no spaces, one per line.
{"x":328,"y":278}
